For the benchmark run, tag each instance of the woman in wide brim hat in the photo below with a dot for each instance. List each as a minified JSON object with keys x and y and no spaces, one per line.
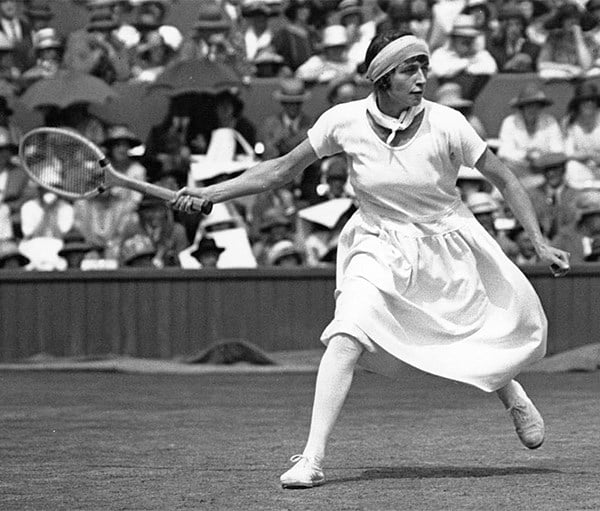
{"x":569,"y":11}
{"x":583,"y":92}
{"x":121,"y":133}
{"x":531,"y":94}
{"x":291,"y":90}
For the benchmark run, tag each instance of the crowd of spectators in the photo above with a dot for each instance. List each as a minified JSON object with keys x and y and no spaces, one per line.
{"x":300,"y":43}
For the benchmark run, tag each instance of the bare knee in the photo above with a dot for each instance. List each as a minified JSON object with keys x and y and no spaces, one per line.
{"x":345,"y":349}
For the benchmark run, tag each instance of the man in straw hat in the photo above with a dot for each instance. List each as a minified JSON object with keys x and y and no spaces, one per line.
{"x":332,"y":62}
{"x":460,"y":55}
{"x":528,"y":132}
{"x":404,"y":291}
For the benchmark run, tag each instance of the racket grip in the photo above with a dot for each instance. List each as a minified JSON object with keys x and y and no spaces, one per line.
{"x":204,"y":206}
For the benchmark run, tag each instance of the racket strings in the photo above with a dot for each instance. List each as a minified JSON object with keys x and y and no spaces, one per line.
{"x":60,"y":161}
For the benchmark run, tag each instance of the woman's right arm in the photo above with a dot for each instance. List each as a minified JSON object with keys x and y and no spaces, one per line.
{"x":267,"y":175}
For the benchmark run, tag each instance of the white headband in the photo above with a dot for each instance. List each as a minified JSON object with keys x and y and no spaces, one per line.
{"x":394,"y":54}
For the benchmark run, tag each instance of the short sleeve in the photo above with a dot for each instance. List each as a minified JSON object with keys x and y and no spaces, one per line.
{"x":467,"y":145}
{"x":322,"y":136}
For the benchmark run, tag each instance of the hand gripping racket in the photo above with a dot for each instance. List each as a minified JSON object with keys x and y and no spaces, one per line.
{"x":70,"y":165}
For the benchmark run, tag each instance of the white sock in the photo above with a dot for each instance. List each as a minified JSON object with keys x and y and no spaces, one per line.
{"x":333,"y":383}
{"x":510,"y":393}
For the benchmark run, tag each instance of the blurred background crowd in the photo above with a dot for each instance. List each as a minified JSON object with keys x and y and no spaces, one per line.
{"x":206,"y":135}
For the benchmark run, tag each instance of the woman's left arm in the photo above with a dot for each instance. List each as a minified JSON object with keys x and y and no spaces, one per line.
{"x":518,"y":200}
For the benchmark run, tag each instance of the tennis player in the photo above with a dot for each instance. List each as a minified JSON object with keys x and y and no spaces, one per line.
{"x":418,"y":279}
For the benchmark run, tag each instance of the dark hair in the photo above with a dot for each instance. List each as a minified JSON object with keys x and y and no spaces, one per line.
{"x":377,"y":44}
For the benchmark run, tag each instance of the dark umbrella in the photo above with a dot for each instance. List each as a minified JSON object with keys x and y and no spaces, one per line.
{"x":67,"y":88}
{"x":196,"y":76}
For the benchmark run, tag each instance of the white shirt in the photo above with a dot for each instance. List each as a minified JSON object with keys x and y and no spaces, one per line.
{"x":12,"y":29}
{"x":445,"y":62}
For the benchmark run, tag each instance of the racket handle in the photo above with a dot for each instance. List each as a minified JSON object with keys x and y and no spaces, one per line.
{"x":204,"y":206}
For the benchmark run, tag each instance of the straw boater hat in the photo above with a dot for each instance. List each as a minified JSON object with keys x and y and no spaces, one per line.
{"x":121,"y":132}
{"x":207,"y":245}
{"x":450,"y":94}
{"x":139,"y":245}
{"x":549,"y":161}
{"x":255,"y":8}
{"x":47,"y":38}
{"x":102,"y":20}
{"x":334,"y":35}
{"x":464,"y":26}
{"x":291,"y":90}
{"x":8,"y":250}
{"x":531,"y":94}
{"x":281,"y":249}
{"x":349,"y":8}
{"x":211,"y":18}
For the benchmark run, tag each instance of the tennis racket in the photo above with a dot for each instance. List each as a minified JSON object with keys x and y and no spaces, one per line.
{"x":73,"y":167}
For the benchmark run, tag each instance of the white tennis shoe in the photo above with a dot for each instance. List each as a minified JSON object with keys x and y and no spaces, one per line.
{"x":304,"y":474}
{"x":528,"y":422}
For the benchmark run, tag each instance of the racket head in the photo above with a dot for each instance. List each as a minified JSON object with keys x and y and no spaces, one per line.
{"x":64,"y":162}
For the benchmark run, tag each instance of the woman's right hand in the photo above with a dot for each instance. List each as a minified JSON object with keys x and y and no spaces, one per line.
{"x":184,"y":198}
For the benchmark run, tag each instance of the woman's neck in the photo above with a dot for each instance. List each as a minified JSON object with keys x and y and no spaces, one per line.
{"x":388,"y":106}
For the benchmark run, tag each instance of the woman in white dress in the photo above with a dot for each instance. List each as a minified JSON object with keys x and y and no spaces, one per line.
{"x":418,"y":279}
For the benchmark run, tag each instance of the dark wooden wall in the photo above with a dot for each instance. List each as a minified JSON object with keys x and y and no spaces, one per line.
{"x":171,"y":313}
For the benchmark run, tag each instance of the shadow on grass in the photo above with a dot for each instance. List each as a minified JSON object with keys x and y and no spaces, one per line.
{"x":453,"y":472}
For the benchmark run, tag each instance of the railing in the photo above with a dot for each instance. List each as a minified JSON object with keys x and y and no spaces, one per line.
{"x":170,"y":313}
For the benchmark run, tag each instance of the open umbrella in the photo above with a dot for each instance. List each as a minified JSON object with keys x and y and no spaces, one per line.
{"x":67,"y":88}
{"x":196,"y":76}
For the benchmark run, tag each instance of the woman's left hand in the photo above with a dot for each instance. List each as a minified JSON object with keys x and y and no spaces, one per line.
{"x":557,"y":259}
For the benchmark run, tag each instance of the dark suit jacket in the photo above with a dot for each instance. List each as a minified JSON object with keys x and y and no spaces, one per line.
{"x":23,"y":52}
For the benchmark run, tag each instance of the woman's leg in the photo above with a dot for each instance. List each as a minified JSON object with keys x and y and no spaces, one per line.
{"x":528,"y":422}
{"x":333,"y":383}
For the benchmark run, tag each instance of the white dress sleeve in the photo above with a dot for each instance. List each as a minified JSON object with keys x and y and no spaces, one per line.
{"x":322,"y":135}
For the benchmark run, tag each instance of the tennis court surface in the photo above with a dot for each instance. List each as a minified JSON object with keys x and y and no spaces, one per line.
{"x":101,"y":441}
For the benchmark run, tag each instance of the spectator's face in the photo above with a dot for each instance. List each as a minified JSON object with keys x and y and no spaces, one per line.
{"x":514,"y":28}
{"x":279,"y":232}
{"x":480,"y":15}
{"x":120,"y":150}
{"x":259,"y":22}
{"x":292,"y":110}
{"x":303,"y":14}
{"x":50,"y":55}
{"x":288,"y":261}
{"x":525,"y":245}
{"x":526,"y":7}
{"x":531,"y":113}
{"x":588,"y":108}
{"x":144,"y":261}
{"x":74,"y":259}
{"x":420,"y":8}
{"x":555,"y":176}
{"x":336,"y":186}
{"x":153,"y":217}
{"x":209,"y":259}
{"x":224,"y":110}
{"x":569,"y":22}
{"x":464,"y":46}
{"x":5,"y":156}
{"x":8,"y":8}
{"x":11,"y":263}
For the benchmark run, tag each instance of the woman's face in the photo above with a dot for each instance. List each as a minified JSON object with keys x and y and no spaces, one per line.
{"x":408,"y":80}
{"x":588,"y":108}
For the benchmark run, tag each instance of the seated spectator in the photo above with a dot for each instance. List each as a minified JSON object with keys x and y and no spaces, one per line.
{"x":485,"y":209}
{"x":484,"y":19}
{"x":343,"y":90}
{"x":524,"y":249}
{"x":396,"y":17}
{"x":273,"y":227}
{"x":258,"y":35}
{"x":16,"y":30}
{"x":138,"y":251}
{"x":118,"y":143}
{"x":332,"y":62}
{"x":78,"y":117}
{"x":450,"y":94}
{"x":577,"y":240}
{"x":124,"y":32}
{"x":229,"y":108}
{"x":96,"y":50}
{"x":583,"y":135}
{"x":295,"y":40}
{"x":155,"y":219}
{"x":270,"y":65}
{"x":511,"y":47}
{"x":11,"y":258}
{"x":536,"y":13}
{"x":528,"y":132}
{"x":443,"y":14}
{"x":152,"y":58}
{"x":360,"y":31}
{"x":6,"y":117}
{"x":102,"y":221}
{"x":47,"y":215}
{"x":149,"y":16}
{"x":74,"y":249}
{"x":15,"y":186}
{"x":39,"y":15}
{"x":10,"y":74}
{"x":48,"y":48}
{"x":334,"y":178}
{"x":207,"y":253}
{"x":460,"y":55}
{"x":569,"y":52}
{"x":284,"y":254}
{"x":421,"y":19}
{"x":280,"y":133}
{"x":553,"y":200}
{"x":594,"y":255}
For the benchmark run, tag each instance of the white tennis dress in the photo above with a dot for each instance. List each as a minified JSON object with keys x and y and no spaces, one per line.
{"x":418,"y":278}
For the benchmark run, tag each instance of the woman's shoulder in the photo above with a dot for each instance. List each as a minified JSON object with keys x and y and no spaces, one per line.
{"x":348,"y":111}
{"x":441,"y":116}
